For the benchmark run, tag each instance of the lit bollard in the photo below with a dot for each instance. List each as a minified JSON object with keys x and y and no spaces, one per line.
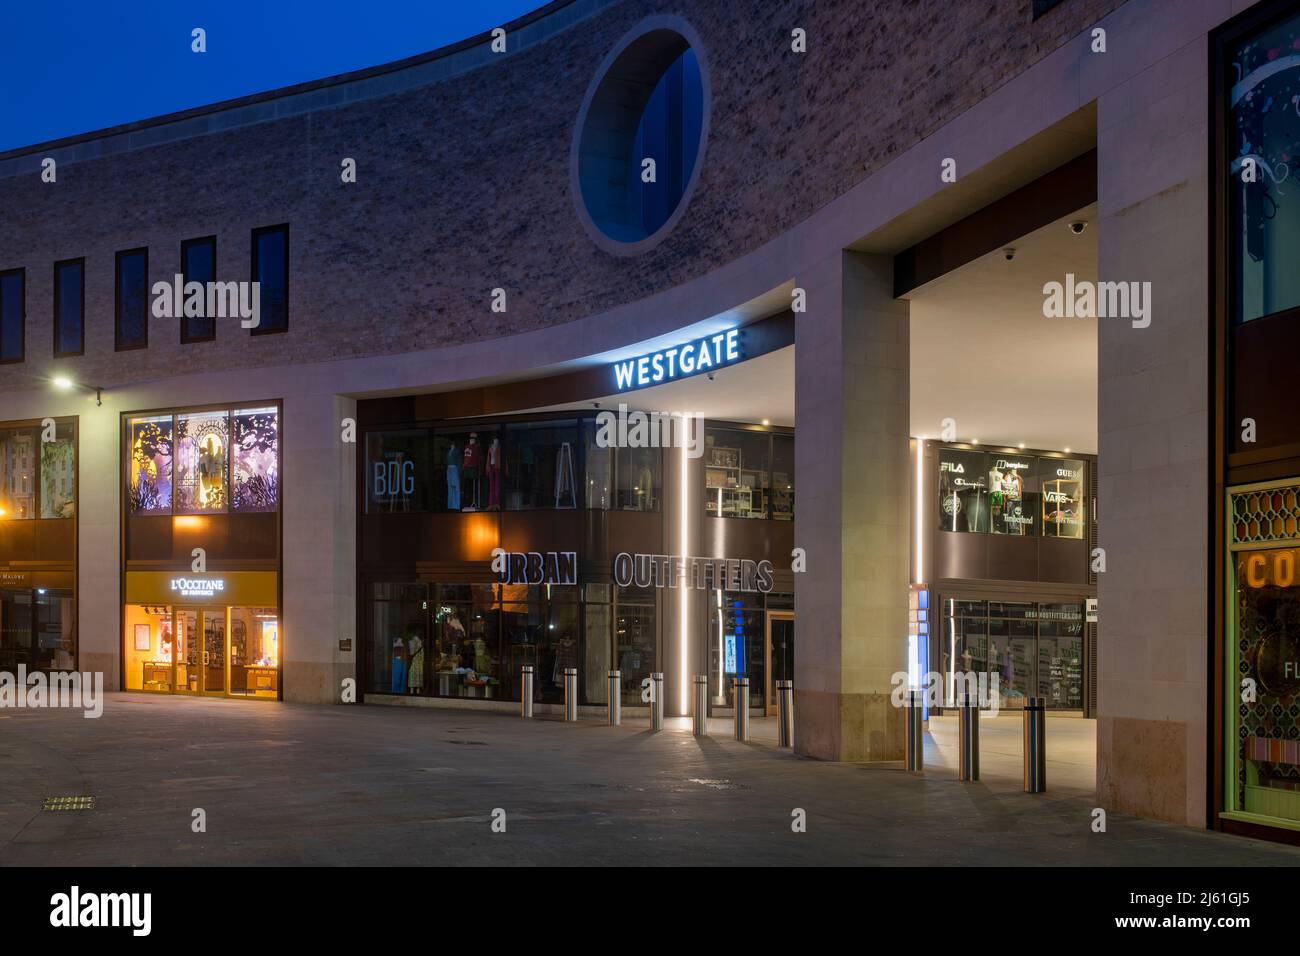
{"x":741,"y":685}
{"x":656,"y":701}
{"x":700,"y":713}
{"x":785,"y":699}
{"x":915,"y":731}
{"x":526,"y":692}
{"x":615,"y":698}
{"x":968,"y":753}
{"x":570,"y":693}
{"x":1035,"y":745}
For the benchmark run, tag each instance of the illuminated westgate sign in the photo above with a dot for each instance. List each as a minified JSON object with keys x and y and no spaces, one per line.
{"x":681,"y":361}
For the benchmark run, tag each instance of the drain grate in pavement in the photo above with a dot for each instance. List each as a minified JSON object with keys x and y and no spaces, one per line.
{"x":69,"y":803}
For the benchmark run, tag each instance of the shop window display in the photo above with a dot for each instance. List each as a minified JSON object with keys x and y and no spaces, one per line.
{"x":541,"y":628}
{"x":783,"y":477}
{"x":541,"y":465}
{"x":465,"y":630}
{"x":597,"y":634}
{"x":1060,"y":655}
{"x":1062,"y":487}
{"x":963,"y":490}
{"x":736,"y":636}
{"x":37,"y":629}
{"x":59,"y":474}
{"x":599,"y":468}
{"x":1265,"y":214}
{"x":1013,"y":495}
{"x":399,"y":471}
{"x":19,"y":448}
{"x":737,"y":472}
{"x":255,"y":456}
{"x":639,"y":485}
{"x":1265,"y":755}
{"x":398,"y":635}
{"x":634,"y":640}
{"x":201,"y":463}
{"x":150,"y":480}
{"x":255,"y":652}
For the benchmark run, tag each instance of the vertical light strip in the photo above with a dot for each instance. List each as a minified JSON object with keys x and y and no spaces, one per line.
{"x":919,"y":511}
{"x":683,"y":592}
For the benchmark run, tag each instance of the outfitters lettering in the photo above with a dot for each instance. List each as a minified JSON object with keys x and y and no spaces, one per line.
{"x":665,"y":570}
{"x":534,"y":567}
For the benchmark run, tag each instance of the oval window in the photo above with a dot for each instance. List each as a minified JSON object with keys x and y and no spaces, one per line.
{"x":641,"y":137}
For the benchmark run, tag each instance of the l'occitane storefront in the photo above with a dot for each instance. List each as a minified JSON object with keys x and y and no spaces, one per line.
{"x":201,"y":488}
{"x":215,"y":634}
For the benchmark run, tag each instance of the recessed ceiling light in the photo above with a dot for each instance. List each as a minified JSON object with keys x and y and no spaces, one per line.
{"x":766,"y":422}
{"x":1067,"y":451}
{"x":974,"y":441}
{"x":1022,"y":444}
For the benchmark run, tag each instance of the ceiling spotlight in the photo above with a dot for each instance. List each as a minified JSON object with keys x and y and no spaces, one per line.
{"x":974,"y":441}
{"x":1078,"y":226}
{"x":1008,"y":253}
{"x":1022,"y":444}
{"x":766,"y":422}
{"x":1067,"y":451}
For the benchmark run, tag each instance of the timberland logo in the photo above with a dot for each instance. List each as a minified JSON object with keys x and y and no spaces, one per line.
{"x":626,"y":429}
{"x":1098,"y":300}
{"x":981,"y":686}
{"x":210,"y":300}
{"x":58,"y":689}
{"x":76,"y":909}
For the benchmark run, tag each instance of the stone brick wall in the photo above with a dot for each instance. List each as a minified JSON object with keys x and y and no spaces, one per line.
{"x":463,"y":185}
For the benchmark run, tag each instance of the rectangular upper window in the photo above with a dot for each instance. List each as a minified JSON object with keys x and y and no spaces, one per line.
{"x":271,"y":270}
{"x":199,"y":264}
{"x":131,"y":294}
{"x":13,"y":313}
{"x":69,"y":307}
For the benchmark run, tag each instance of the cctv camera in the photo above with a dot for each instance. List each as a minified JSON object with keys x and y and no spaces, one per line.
{"x":1008,"y":254}
{"x":1078,"y":226}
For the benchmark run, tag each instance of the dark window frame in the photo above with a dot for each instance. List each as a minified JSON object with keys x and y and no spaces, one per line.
{"x":186,"y":338}
{"x":21,"y":272}
{"x":252,"y":273}
{"x":80,"y":261}
{"x":117,"y":299}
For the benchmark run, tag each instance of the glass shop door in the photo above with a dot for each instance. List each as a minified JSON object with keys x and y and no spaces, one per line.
{"x":780,"y":650}
{"x":202,"y":649}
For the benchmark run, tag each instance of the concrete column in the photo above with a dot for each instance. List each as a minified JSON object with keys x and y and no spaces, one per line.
{"x":852,"y":482}
{"x":1152,"y":407}
{"x":319,"y":547}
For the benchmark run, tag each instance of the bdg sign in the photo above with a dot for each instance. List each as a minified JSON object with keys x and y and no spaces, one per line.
{"x":682,"y":361}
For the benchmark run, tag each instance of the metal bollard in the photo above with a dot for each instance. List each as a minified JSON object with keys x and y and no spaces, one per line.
{"x":968,"y":748}
{"x":570,"y":693}
{"x":615,"y":698}
{"x":700,"y":713}
{"x":656,"y":701}
{"x":915,"y":732}
{"x":526,"y":692}
{"x":1035,"y":745}
{"x":785,"y":698}
{"x":741,"y":685}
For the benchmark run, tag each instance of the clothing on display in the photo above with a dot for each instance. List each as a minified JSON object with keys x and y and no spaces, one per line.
{"x":399,"y":667}
{"x":453,"y":478}
{"x":494,"y":474}
{"x":472,"y":466}
{"x":415,"y":667}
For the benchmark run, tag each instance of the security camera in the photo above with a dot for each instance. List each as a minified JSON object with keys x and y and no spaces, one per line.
{"x":1078,"y":226}
{"x":1008,"y":254}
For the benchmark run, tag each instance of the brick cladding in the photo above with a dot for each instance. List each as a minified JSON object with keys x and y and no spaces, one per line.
{"x":463,"y":185}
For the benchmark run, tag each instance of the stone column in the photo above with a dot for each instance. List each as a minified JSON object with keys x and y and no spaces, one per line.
{"x":852,"y":483}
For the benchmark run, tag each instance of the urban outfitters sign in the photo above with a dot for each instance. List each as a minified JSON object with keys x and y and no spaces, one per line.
{"x":681,"y":361}
{"x":666,"y":570}
{"x":535,"y":567}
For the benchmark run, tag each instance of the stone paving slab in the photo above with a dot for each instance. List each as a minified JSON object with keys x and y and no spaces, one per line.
{"x":297,"y":784}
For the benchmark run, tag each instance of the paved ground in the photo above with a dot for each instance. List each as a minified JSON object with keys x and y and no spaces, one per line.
{"x":292,"y":784}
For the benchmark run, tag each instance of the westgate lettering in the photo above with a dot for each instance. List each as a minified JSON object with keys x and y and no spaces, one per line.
{"x":681,"y":361}
{"x":666,"y":570}
{"x":535,"y":567}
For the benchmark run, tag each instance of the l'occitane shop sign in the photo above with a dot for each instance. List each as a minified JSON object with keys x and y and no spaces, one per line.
{"x":233,"y":588}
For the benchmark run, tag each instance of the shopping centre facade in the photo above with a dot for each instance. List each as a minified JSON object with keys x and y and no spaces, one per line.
{"x":470,"y":281}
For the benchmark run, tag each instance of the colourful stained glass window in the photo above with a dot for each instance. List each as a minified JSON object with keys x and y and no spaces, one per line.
{"x":201,"y":462}
{"x":150,"y":480}
{"x":255,"y":457}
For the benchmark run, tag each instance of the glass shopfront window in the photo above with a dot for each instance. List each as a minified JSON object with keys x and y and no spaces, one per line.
{"x":783,"y":477}
{"x":634,"y":640}
{"x":599,"y":462}
{"x":466,"y":629}
{"x":38,"y":479}
{"x":37,"y":629}
{"x":736,"y":636}
{"x":399,"y":467}
{"x":1006,"y":493}
{"x":1265,"y":136}
{"x":398,"y":636}
{"x":1013,"y":495}
{"x":963,"y":490}
{"x":737,"y":472}
{"x":598,"y":618}
{"x":639,"y":484}
{"x":1034,"y":649}
{"x":208,"y":462}
{"x":541,"y":465}
{"x":1062,"y":486}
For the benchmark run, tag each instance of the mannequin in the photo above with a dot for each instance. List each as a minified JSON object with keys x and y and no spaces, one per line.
{"x":453,"y":478}
{"x":398,"y":684}
{"x":494,"y":475}
{"x":473,"y":464}
{"x":415,"y":667}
